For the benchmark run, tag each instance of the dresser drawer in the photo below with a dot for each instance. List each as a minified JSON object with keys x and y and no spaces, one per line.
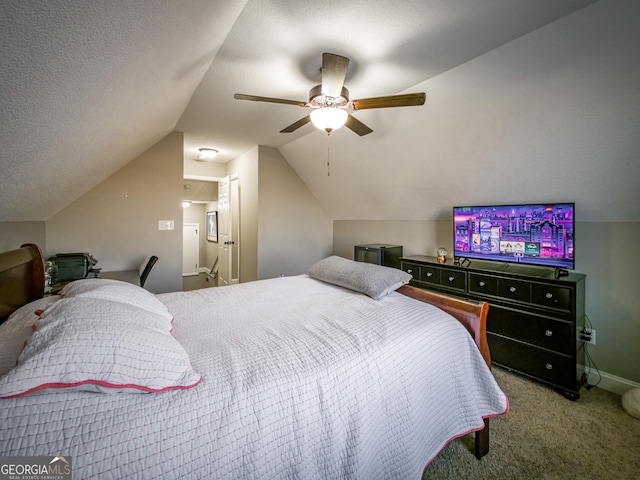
{"x":514,"y":289}
{"x":483,"y":284}
{"x":552,"y":296}
{"x":453,"y":279}
{"x":412,"y":269}
{"x":555,"y":368}
{"x":541,"y":331}
{"x":429,"y":274}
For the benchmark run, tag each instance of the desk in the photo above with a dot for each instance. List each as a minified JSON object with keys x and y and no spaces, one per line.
{"x":129,"y":276}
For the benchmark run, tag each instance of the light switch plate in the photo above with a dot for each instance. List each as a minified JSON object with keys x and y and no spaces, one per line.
{"x":165,"y":225}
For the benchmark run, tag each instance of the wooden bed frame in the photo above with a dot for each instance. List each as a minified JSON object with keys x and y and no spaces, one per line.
{"x":21,"y":278}
{"x":473,"y":315}
{"x":22,"y":281}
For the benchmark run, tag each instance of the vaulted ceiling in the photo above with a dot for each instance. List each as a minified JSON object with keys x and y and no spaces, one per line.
{"x":87,"y":86}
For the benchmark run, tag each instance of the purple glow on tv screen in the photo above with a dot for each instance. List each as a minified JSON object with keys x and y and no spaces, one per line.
{"x":539,"y":234}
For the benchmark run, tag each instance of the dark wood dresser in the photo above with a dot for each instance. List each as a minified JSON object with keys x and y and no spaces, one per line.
{"x":534,"y":318}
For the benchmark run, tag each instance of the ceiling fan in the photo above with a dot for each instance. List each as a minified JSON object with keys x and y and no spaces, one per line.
{"x":330,"y":100}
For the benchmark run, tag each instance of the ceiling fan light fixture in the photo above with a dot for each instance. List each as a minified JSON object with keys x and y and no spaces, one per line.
{"x":329,"y":118}
{"x":207,"y":153}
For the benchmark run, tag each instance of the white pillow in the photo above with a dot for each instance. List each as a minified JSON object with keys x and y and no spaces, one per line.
{"x":117,"y":291}
{"x":99,"y":345}
{"x":18,"y":328}
{"x":373,"y":280}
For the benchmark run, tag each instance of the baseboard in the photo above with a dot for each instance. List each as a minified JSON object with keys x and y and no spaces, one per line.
{"x":609,"y":382}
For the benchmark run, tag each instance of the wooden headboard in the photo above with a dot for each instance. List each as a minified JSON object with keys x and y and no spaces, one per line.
{"x":21,"y":278}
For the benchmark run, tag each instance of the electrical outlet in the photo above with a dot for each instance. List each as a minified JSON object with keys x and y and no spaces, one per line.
{"x":587,"y":336}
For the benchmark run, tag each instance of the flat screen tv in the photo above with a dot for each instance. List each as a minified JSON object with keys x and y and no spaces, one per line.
{"x":539,"y":234}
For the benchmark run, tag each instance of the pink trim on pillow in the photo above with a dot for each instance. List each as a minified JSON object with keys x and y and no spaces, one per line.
{"x":102,"y":383}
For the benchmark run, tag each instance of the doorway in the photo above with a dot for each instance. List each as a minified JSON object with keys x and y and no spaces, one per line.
{"x":229,"y":231}
{"x":221,"y":195}
{"x":190,"y":249}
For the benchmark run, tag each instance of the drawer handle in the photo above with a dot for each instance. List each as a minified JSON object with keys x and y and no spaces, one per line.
{"x":512,"y":289}
{"x":548,"y":333}
{"x":549,"y":295}
{"x":451,"y":279}
{"x":548,"y":366}
{"x":482,"y":284}
{"x":429,"y":274}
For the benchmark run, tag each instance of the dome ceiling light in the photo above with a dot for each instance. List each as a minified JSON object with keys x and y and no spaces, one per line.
{"x":207,"y":154}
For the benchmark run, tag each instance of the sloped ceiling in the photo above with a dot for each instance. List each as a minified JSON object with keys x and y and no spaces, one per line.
{"x":87,"y":86}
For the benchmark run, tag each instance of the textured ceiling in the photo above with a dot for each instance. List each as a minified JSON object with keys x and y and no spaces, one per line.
{"x":87,"y":86}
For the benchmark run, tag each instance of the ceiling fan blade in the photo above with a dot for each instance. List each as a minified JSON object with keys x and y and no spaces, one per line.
{"x":334,"y":71}
{"x":357,"y":126}
{"x":294,"y":126}
{"x":407,"y":100}
{"x":255,"y":98}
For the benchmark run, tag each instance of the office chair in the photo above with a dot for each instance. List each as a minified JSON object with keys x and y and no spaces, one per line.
{"x":145,"y":273}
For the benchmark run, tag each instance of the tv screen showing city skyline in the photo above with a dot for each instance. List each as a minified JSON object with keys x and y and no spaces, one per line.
{"x":539,"y":234}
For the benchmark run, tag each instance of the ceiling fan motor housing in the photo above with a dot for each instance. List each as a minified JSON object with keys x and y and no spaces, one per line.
{"x":317,"y":99}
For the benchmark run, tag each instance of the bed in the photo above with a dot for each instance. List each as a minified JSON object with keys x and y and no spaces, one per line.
{"x":294,"y":377}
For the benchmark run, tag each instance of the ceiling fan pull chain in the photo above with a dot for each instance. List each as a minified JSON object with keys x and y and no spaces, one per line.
{"x":328,"y":152}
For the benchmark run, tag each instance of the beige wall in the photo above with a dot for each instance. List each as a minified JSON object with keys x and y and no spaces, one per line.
{"x":605,"y":252}
{"x":294,"y":231}
{"x":117,"y":221}
{"x":246,"y":167}
{"x":416,"y":237}
{"x":283,"y":228}
{"x":608,"y":254}
{"x":14,"y":234}
{"x":196,"y":168}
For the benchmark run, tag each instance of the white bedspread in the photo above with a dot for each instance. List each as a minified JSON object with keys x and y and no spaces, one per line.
{"x":300,"y":380}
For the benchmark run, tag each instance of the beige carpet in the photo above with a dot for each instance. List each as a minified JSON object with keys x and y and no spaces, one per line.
{"x":546,"y":436}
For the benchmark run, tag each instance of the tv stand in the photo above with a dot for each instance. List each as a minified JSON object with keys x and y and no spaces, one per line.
{"x":534,"y":314}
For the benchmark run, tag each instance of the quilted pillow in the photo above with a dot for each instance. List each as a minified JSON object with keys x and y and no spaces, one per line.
{"x":98,"y":345}
{"x":373,"y":280}
{"x":118,"y":292}
{"x":18,"y":328}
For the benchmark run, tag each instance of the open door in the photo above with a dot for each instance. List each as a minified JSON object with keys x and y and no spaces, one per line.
{"x":228,"y":231}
